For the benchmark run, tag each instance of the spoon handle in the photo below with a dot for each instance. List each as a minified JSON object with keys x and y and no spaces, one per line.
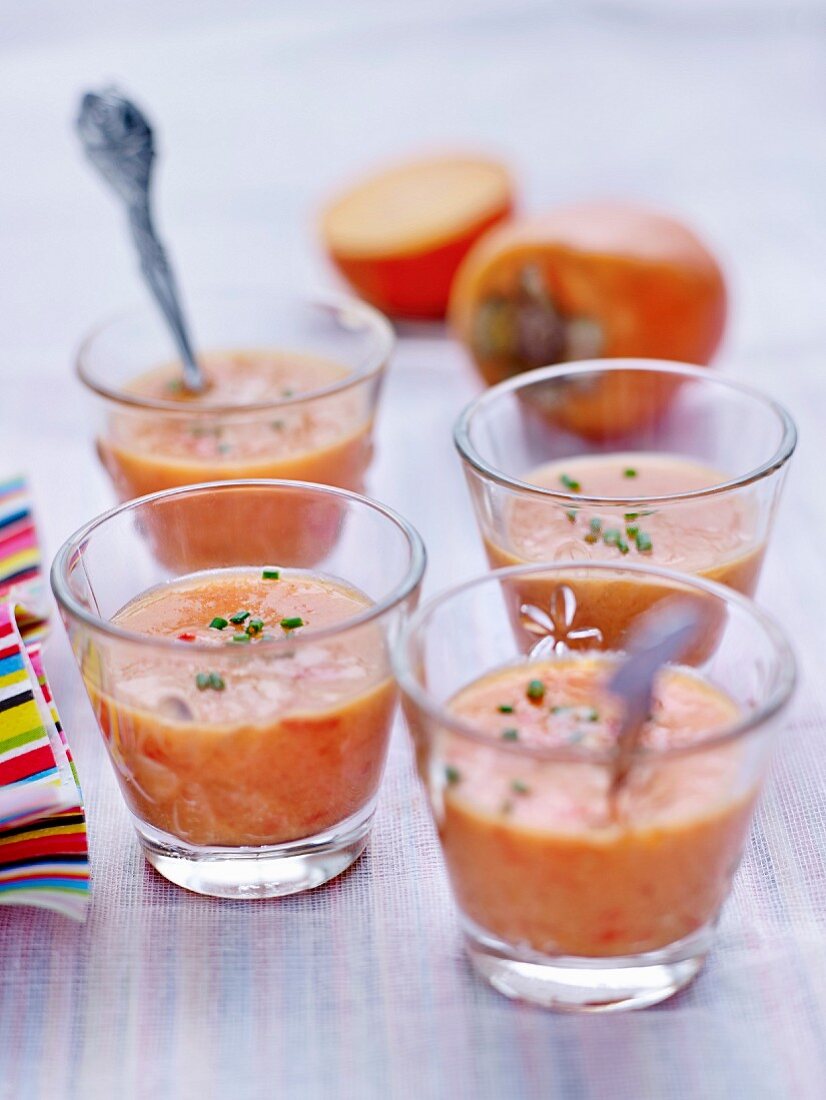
{"x":118,"y":140}
{"x":160,"y":279}
{"x":664,"y":634}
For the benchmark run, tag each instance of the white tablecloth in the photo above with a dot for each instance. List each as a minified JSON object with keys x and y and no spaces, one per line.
{"x":359,"y":989}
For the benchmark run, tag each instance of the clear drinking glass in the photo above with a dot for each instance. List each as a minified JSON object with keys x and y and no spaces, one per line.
{"x":574,"y":418}
{"x":573,"y":893}
{"x":250,"y":770}
{"x":158,"y":439}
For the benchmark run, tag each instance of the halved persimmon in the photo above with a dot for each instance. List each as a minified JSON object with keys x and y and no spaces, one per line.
{"x":399,"y":236}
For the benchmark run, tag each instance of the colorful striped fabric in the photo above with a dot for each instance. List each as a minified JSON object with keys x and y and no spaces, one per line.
{"x":43,"y":849}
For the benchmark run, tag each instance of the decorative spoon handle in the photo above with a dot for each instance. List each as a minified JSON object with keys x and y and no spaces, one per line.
{"x":665,"y":634}
{"x":118,"y":140}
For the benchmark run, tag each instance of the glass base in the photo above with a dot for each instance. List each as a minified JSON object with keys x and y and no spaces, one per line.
{"x":572,"y":984}
{"x":269,"y":871}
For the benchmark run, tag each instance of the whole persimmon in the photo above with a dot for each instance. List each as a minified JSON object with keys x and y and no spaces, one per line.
{"x":399,"y":236}
{"x":590,"y":281}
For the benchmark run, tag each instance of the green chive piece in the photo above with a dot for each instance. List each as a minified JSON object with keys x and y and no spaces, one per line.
{"x":592,"y":715}
{"x":510,"y":735}
{"x":622,"y":546}
{"x":505,"y":708}
{"x":218,"y":623}
{"x":202,"y":680}
{"x":518,"y":787}
{"x":571,"y":515}
{"x":239,"y":617}
{"x":271,"y":574}
{"x":611,"y":537}
{"x":595,"y":523}
{"x":216,"y":682}
{"x":535,"y":690}
{"x":559,"y":710}
{"x":255,"y":626}
{"x":452,"y":775}
{"x":631,"y":516}
{"x":632,"y":530}
{"x":629,"y":472}
{"x":293,"y":623}
{"x":570,"y":483}
{"x":240,"y":638}
{"x":644,"y":542}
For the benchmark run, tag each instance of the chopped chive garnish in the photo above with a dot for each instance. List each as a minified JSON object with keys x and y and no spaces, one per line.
{"x":271,"y":574}
{"x":505,"y":708}
{"x":559,"y":709}
{"x":570,"y":483}
{"x":611,"y":537}
{"x":622,"y":546}
{"x":595,"y":523}
{"x":510,"y":735}
{"x":518,"y":787}
{"x":240,"y":639}
{"x":632,"y":530}
{"x":644,"y":542}
{"x":239,"y":617}
{"x":218,"y":623}
{"x":592,"y":715}
{"x":571,"y":515}
{"x":631,"y":516}
{"x":255,"y":626}
{"x":293,"y":623}
{"x":452,"y":775}
{"x":206,"y":680}
{"x":535,"y":690}
{"x":629,"y":472}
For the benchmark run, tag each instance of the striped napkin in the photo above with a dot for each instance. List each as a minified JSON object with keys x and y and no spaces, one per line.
{"x":43,"y":849}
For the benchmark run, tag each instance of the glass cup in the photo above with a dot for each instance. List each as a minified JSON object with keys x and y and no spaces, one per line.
{"x":577,"y":890}
{"x":629,"y":413}
{"x":159,"y":439}
{"x":249,"y":770}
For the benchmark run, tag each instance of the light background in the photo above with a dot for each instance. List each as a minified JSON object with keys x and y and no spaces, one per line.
{"x":714,"y":109}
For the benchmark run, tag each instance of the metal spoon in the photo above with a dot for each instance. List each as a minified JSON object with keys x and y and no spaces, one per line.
{"x":665,"y":634}
{"x":118,"y":140}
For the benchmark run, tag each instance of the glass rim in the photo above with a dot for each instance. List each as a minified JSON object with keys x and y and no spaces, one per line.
{"x":376,"y":362}
{"x":59,"y":572}
{"x":420,"y":696}
{"x":470,"y":455}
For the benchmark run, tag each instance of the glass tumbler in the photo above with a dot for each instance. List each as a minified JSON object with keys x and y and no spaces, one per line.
{"x":626,"y":460}
{"x":587,"y":880}
{"x":249,"y":750}
{"x":309,"y":417}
